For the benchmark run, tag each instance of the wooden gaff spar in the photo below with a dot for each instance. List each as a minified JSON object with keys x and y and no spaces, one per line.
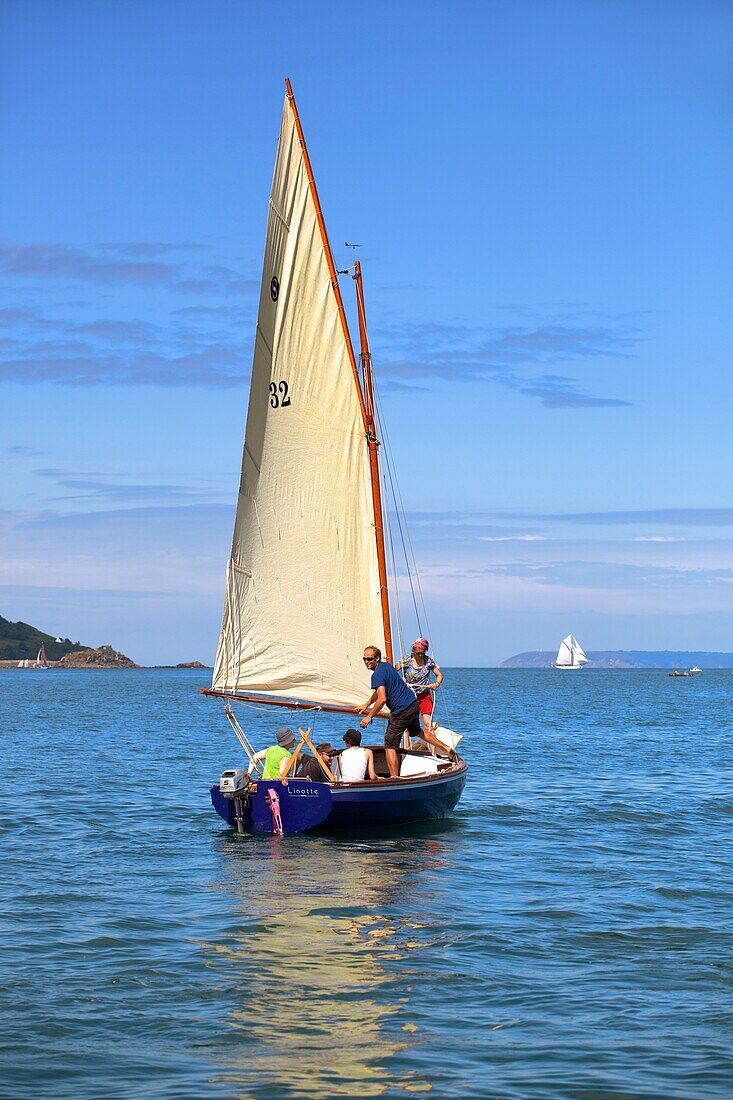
{"x":307,"y":584}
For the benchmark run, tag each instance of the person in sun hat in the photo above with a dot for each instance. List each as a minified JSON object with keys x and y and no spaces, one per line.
{"x":417,"y":671}
{"x":275,"y":756}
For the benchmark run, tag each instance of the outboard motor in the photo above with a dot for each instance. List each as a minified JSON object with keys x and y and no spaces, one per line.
{"x":233,"y":779}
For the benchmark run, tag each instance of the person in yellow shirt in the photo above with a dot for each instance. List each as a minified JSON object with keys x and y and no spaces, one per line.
{"x":275,"y":756}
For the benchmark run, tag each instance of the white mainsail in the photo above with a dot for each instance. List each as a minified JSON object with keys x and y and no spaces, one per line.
{"x":570,"y":654}
{"x":303,"y":591}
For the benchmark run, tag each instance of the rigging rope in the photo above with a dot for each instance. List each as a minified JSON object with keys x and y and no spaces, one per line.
{"x":393,"y":563}
{"x":410,"y":558}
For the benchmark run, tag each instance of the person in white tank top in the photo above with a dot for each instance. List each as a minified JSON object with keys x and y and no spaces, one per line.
{"x":355,"y":763}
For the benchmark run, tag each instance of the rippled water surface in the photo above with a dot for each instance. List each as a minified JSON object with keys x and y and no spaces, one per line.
{"x":567,"y":933}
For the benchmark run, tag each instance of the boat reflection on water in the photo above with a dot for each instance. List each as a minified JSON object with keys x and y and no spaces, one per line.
{"x":315,"y":963}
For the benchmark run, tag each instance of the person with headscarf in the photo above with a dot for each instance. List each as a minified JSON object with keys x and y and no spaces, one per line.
{"x":417,"y":671}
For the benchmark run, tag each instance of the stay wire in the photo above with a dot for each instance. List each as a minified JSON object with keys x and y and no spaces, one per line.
{"x":411,"y":558}
{"x":393,"y":564}
{"x":388,"y":464}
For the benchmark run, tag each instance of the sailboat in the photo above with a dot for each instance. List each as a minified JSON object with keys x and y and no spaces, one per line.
{"x":40,"y":662}
{"x":306,"y":583}
{"x":570,"y":654}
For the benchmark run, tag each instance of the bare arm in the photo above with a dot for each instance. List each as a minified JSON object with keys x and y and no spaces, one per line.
{"x":370,"y":700}
{"x":381,"y":699}
{"x":438,"y":679}
{"x":257,"y":757}
{"x":370,"y":764}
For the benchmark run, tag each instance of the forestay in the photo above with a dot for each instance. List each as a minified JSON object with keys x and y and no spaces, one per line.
{"x":302,"y":593}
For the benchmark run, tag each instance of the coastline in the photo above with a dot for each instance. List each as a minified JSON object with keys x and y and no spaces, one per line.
{"x":187,"y":667}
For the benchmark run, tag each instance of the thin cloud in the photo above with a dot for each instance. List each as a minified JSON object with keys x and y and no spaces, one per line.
{"x":187,"y":350}
{"x":608,"y":575}
{"x":678,"y":517}
{"x":195,"y":286}
{"x":61,"y":261}
{"x":96,"y":488}
{"x":147,"y":249}
{"x":22,"y":450}
{"x":556,"y":392}
{"x":122,"y":331}
{"x":657,"y":538}
{"x":218,"y":366}
{"x":120,"y":350}
{"x":451,"y":351}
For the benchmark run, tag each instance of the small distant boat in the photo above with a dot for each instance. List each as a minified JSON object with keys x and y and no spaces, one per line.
{"x":41,"y":660}
{"x":570,"y":654}
{"x":683,"y":672}
{"x":694,"y":670}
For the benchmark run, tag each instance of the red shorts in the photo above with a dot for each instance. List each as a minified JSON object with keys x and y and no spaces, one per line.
{"x":426,"y":702}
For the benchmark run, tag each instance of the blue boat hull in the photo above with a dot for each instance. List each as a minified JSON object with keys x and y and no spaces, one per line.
{"x":372,"y":805}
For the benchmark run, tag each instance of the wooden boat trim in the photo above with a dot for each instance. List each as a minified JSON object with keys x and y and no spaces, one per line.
{"x":289,"y":704}
{"x":407,"y":780}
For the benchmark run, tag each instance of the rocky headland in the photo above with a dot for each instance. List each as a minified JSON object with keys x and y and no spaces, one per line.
{"x":102,"y":657}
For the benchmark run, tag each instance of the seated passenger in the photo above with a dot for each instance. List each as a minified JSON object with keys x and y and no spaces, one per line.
{"x":311,"y":769}
{"x":275,"y":756}
{"x":354,"y":761}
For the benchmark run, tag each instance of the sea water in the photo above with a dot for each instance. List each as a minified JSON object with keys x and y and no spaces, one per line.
{"x":566,"y":934}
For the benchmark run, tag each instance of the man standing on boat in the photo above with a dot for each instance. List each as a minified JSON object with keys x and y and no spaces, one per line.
{"x":388,"y":688}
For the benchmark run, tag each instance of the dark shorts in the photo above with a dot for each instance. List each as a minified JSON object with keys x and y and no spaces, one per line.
{"x":406,"y":720}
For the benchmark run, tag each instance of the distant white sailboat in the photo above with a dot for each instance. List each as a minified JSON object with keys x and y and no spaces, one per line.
{"x":570,"y":654}
{"x":41,"y":660}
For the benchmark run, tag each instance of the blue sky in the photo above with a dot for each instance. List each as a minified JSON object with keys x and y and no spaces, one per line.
{"x":542,"y":193}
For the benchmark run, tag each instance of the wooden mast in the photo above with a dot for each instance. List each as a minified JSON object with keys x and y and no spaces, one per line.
{"x":373,"y":443}
{"x":366,"y":397}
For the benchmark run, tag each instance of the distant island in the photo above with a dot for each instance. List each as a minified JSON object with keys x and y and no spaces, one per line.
{"x":103,"y":657}
{"x":627,"y":658}
{"x":22,"y":642}
{"x":183,"y":664}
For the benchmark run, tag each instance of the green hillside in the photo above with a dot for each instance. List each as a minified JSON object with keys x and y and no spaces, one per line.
{"x":19,"y":641}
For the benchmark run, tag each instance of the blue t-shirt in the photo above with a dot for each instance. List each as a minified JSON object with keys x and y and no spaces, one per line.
{"x":399,"y":695}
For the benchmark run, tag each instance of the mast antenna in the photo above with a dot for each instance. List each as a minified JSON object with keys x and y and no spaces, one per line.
{"x":353,"y":248}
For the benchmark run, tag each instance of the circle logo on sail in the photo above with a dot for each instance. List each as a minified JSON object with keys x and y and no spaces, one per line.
{"x":274,"y":288}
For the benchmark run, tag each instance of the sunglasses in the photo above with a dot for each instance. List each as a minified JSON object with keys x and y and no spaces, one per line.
{"x":368,"y":660}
